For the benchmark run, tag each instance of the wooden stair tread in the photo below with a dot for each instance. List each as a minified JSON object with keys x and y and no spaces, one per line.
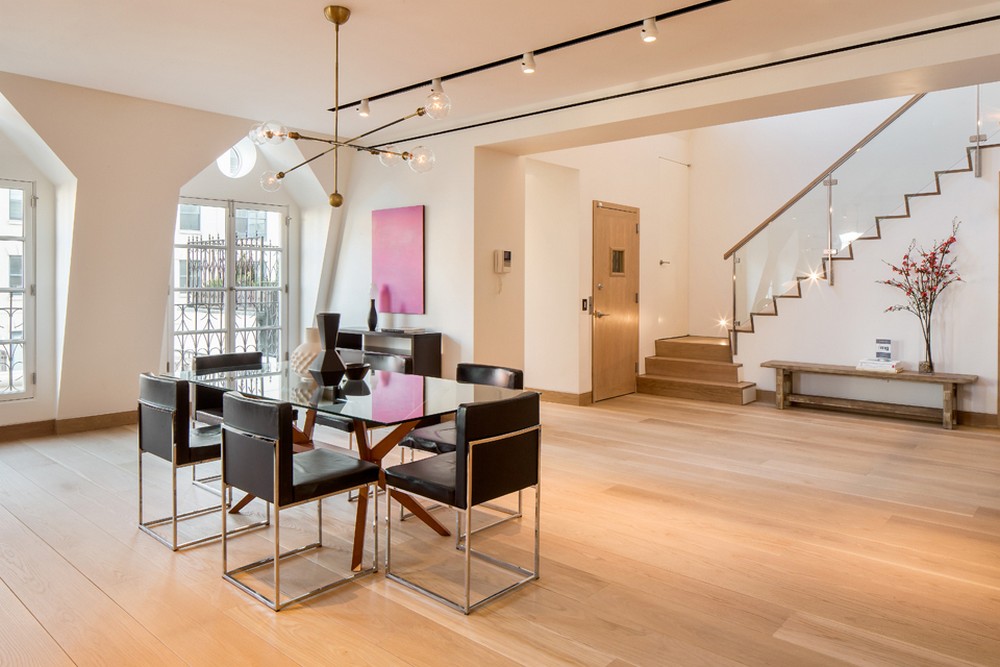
{"x":688,"y":360}
{"x":742,"y":384}
{"x":698,"y":340}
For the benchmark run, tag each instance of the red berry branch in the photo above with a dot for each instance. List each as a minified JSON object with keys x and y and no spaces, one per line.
{"x":922,"y":276}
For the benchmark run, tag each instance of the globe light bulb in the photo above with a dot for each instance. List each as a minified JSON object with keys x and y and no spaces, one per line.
{"x":437,"y":105}
{"x":390,"y":158}
{"x":421,"y":159}
{"x":271,"y":132}
{"x":270,"y":181}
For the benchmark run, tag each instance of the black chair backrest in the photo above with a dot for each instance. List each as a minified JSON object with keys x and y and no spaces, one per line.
{"x":209,"y":399}
{"x":235,"y":361}
{"x":163,"y":417}
{"x":505,"y":465}
{"x":498,"y":376}
{"x":252,"y":431}
{"x":389,"y":362}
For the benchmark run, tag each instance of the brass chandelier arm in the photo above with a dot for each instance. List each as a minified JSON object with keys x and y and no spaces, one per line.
{"x":335,"y":145}
{"x":420,"y":159}
{"x":418,"y":112}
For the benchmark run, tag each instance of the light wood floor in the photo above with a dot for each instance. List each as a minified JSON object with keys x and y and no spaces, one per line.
{"x":673,"y":533}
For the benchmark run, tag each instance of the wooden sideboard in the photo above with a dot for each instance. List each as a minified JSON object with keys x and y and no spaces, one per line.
{"x":422,"y":348}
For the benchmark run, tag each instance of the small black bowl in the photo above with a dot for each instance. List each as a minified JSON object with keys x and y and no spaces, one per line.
{"x":356,"y":370}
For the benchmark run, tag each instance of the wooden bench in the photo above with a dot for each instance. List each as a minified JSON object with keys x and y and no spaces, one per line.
{"x":950,"y":382}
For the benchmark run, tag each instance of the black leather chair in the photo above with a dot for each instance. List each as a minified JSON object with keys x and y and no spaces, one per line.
{"x":257,"y":458}
{"x":165,"y":431}
{"x":440,"y":438}
{"x":208,"y":400}
{"x":497,"y":452}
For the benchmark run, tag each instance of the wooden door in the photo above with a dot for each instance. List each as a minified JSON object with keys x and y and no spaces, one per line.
{"x":615,"y":312}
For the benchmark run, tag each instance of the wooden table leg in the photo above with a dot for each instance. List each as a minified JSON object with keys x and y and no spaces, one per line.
{"x":360,"y":521}
{"x":375,"y":453}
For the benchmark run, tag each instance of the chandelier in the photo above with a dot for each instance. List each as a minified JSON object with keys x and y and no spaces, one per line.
{"x":420,"y":159}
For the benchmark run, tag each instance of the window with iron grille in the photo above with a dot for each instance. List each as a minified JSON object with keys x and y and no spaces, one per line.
{"x":16,"y":293}
{"x":229,"y":280}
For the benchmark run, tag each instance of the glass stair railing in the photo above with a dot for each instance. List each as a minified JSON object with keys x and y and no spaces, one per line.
{"x":903,"y":157}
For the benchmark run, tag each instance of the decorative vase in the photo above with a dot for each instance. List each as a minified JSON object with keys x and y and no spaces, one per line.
{"x":372,"y":317}
{"x":328,"y":368}
{"x":302,"y":356}
{"x":927,"y":365}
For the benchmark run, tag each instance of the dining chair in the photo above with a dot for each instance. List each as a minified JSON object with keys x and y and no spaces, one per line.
{"x":165,"y":431}
{"x":257,"y":458}
{"x":207,"y":401}
{"x":497,"y":452}
{"x":439,"y":438}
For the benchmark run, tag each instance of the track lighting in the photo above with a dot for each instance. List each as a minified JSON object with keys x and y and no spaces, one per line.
{"x":528,"y":63}
{"x":649,"y":30}
{"x":437,"y":103}
{"x":363,"y":109}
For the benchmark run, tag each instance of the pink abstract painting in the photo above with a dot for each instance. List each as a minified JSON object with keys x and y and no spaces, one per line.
{"x":398,"y":259}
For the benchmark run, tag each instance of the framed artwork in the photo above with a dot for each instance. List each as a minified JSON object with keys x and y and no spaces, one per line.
{"x":398,"y":259}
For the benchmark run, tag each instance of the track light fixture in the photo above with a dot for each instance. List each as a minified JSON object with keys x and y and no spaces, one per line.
{"x":363,"y":109}
{"x":420,"y":159}
{"x":649,"y":30}
{"x":528,"y":63}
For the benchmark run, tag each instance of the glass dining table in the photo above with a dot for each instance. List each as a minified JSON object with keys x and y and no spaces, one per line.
{"x":381,"y":399}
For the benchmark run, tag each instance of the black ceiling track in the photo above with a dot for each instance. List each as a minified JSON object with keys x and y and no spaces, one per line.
{"x":710,"y":77}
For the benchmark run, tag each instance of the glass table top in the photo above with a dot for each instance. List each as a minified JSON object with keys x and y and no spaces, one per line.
{"x":382,"y":398}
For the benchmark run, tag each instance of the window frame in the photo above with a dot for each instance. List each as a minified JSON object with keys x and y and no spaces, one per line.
{"x":27,"y":332}
{"x":230,"y":289}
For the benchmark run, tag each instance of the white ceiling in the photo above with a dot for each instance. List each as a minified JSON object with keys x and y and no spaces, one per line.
{"x":264,"y":59}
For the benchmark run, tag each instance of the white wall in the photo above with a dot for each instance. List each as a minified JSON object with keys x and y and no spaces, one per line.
{"x":553,"y":266}
{"x":447,"y":195}
{"x":131,"y":158}
{"x":742,"y":172}
{"x":839,"y":324}
{"x":650,"y":174}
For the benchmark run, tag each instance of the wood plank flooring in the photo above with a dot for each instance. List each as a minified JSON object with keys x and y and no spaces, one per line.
{"x":673,"y":533}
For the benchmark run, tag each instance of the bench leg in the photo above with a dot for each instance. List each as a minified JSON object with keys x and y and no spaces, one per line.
{"x":949,"y":407}
{"x":782,"y":388}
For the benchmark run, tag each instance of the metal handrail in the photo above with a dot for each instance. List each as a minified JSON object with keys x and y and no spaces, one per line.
{"x":819,"y":179}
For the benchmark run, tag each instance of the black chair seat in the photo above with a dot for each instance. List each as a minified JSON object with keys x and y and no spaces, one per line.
{"x":440,"y":437}
{"x":212,"y":416}
{"x":433,"y":478}
{"x":436,"y":438}
{"x":204,"y":444}
{"x":320,"y":472}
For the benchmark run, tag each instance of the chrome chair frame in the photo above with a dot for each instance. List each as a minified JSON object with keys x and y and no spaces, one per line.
{"x":466,"y":606}
{"x":174,"y":517}
{"x":275,"y":560}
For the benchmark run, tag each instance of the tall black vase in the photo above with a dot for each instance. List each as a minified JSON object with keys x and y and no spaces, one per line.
{"x":372,"y":317}
{"x":327,"y":367}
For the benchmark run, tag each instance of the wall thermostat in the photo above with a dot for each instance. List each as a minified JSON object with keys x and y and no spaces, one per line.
{"x":501,"y":261}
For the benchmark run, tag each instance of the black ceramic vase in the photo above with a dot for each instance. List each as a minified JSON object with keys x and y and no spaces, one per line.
{"x":327,"y":368}
{"x":372,"y":317}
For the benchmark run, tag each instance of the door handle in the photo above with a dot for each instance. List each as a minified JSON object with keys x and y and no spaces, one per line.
{"x":599,"y":314}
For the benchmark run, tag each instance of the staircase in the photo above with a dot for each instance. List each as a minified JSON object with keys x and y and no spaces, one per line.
{"x":700,"y":368}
